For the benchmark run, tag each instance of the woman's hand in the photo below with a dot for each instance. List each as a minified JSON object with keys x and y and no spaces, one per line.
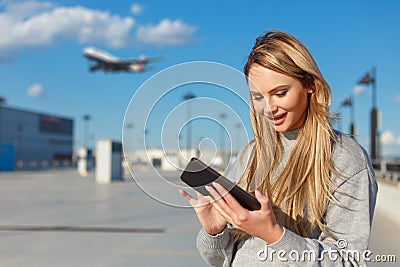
{"x":259,"y":223}
{"x":209,"y":217}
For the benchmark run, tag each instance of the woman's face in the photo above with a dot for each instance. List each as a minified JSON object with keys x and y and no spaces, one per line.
{"x":279,"y":98}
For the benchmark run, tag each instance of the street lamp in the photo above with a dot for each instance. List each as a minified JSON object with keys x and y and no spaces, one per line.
{"x":146,"y":133}
{"x":222,"y":116}
{"x":2,"y":101}
{"x":187,"y":97}
{"x":348,"y":102}
{"x":127,"y":127}
{"x":370,"y":78}
{"x":239,"y":139}
{"x":86,"y":119}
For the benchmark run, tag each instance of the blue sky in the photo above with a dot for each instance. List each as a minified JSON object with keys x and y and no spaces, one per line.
{"x":42,"y":68}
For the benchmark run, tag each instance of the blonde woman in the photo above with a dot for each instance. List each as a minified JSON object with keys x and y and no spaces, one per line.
{"x":316,"y":186}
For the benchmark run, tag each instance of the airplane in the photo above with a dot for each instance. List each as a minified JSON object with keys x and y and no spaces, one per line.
{"x":107,"y":62}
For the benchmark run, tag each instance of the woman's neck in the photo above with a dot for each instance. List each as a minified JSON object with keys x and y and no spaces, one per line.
{"x":290,"y":135}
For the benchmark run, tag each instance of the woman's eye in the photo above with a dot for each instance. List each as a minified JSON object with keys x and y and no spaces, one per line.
{"x":257,"y":97}
{"x":281,"y":94}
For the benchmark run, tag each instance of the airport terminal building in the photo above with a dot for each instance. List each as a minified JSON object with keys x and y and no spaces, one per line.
{"x":30,"y":140}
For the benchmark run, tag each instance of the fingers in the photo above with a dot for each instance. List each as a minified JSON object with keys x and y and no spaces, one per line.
{"x":201,"y":200}
{"x":233,"y":203}
{"x":227,"y":205}
{"x":222,"y":193}
{"x":264,"y":201}
{"x":188,"y":197}
{"x":218,"y":203}
{"x":201,"y":197}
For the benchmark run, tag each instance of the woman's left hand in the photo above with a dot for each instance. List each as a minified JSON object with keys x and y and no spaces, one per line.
{"x":259,"y":223}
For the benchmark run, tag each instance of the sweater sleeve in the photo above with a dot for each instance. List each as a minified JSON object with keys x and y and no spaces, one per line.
{"x":350,"y":223}
{"x":216,"y":250}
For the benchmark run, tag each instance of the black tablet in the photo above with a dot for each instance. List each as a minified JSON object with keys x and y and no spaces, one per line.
{"x":197,"y":175}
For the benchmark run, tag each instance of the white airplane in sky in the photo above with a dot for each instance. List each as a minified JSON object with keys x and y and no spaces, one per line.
{"x":107,"y":62}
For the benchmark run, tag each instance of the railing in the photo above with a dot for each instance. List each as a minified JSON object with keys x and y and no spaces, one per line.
{"x":387,"y":169}
{"x":21,"y":165}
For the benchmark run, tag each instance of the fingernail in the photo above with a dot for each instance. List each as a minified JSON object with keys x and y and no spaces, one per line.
{"x":258,"y":193}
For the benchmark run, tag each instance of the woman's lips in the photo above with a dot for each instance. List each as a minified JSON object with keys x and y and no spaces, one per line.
{"x":278,"y":120}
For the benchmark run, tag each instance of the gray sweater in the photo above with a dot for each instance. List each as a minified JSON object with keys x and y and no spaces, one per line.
{"x":350,"y":223}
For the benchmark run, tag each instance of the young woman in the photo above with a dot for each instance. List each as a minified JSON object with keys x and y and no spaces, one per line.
{"x":316,"y":186}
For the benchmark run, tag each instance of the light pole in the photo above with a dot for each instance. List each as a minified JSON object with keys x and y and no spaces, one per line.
{"x":371,"y":79}
{"x":2,"y":101}
{"x":187,"y":97}
{"x":348,"y":102}
{"x":239,"y":139}
{"x":86,"y":119}
{"x":222,"y":117}
{"x":146,"y":133}
{"x":338,"y":120}
{"x":127,"y":127}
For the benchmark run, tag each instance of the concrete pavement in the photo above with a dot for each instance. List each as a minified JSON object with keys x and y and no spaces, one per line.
{"x":50,"y":202}
{"x":57,"y":218}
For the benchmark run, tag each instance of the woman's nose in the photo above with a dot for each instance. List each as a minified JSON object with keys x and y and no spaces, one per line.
{"x":270,"y":107}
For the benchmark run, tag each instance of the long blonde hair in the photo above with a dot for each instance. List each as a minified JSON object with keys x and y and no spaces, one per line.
{"x":301,"y":191}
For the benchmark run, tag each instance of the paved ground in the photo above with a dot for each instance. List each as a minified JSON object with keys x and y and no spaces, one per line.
{"x":385,"y":235}
{"x":57,"y":218}
{"x":152,"y":234}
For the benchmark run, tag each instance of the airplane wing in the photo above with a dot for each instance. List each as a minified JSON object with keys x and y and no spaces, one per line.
{"x":119,"y":66}
{"x":107,"y":62}
{"x":142,"y":60}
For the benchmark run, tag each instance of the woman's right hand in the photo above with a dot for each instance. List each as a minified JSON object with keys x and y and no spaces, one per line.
{"x":211,"y":220}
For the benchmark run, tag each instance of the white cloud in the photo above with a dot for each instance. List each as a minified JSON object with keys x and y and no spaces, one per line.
{"x":397,"y":99}
{"x":36,"y":24}
{"x":166,"y":32}
{"x":35,"y":90}
{"x":136,"y":9}
{"x":33,"y":24}
{"x":388,"y":138}
{"x":390,"y":144}
{"x":23,"y":10}
{"x":359,"y":89}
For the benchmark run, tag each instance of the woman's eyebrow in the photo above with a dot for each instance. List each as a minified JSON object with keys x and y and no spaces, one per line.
{"x":279,"y":87}
{"x":255,"y":92}
{"x":276,"y":88}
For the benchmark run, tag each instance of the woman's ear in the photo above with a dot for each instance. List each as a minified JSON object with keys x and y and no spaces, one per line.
{"x":310,"y":91}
